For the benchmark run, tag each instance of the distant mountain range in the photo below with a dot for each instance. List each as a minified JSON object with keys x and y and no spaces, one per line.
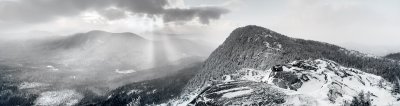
{"x":86,"y":66}
{"x":104,"y":49}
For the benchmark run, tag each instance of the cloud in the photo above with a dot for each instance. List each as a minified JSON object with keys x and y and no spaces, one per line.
{"x":36,"y":11}
{"x":31,"y":11}
{"x":203,"y":13}
{"x":113,"y":14}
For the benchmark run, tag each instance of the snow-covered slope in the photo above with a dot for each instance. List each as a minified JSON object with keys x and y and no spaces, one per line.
{"x":260,"y":48}
{"x":317,"y":82}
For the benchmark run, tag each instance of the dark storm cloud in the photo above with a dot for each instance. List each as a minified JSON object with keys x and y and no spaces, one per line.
{"x":203,"y":13}
{"x":44,"y":10}
{"x":113,"y":14}
{"x":143,"y":6}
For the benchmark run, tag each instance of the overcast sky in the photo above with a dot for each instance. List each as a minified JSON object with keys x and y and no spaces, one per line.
{"x":371,"y":26}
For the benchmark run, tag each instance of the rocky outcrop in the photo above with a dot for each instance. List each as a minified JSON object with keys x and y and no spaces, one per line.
{"x":240,"y":93}
{"x":260,"y":48}
{"x":317,"y":82}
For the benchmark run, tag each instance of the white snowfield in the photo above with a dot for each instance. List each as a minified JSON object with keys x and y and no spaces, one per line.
{"x":52,"y":68}
{"x":29,"y":85}
{"x":234,"y":92}
{"x":58,"y":98}
{"x":330,"y":77}
{"x":124,"y":71}
{"x":326,"y":83}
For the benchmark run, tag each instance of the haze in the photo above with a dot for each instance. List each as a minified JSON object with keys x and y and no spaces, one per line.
{"x":81,"y":52}
{"x":370,"y":26}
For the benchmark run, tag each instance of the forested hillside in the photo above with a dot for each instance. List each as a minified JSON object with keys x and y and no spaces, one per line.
{"x":394,"y":56}
{"x":260,"y":48}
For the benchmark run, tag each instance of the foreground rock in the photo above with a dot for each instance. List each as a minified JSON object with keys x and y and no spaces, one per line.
{"x":317,"y":82}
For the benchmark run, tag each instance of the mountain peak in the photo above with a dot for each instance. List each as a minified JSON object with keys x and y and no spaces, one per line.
{"x":252,"y":33}
{"x":97,"y":32}
{"x":254,"y":36}
{"x":260,"y":48}
{"x":252,"y":27}
{"x":94,"y":37}
{"x":108,"y":35}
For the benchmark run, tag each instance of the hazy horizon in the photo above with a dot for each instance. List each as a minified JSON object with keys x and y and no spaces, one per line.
{"x":199,"y":52}
{"x":364,"y":25}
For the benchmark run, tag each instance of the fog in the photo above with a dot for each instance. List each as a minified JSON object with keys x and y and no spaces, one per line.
{"x":95,"y":46}
{"x":96,"y":61}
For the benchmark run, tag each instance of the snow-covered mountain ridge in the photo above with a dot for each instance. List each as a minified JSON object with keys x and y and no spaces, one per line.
{"x":243,"y":71}
{"x":260,"y":48}
{"x":309,"y":82}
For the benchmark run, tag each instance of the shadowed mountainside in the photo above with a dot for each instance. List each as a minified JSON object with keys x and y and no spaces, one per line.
{"x":87,"y":66}
{"x":394,"y":56}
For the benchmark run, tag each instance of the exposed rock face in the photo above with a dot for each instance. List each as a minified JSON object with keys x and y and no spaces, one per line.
{"x":240,"y":93}
{"x":309,"y":82}
{"x":58,"y":98}
{"x":260,"y":48}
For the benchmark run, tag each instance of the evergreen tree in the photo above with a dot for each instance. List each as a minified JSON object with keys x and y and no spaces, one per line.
{"x":396,"y":87}
{"x":361,"y":100}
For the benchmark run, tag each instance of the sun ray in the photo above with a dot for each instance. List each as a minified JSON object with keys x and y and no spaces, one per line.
{"x":150,"y":52}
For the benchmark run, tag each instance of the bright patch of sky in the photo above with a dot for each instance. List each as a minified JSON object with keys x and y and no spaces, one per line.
{"x":370,"y":26}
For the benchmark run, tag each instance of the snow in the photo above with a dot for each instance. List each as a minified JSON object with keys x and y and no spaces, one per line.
{"x":302,"y":100}
{"x":349,"y":86}
{"x":28,"y":85}
{"x":184,"y":102}
{"x":237,"y":93}
{"x":267,"y":44}
{"x":50,"y":67}
{"x":227,"y":78}
{"x":279,"y":46}
{"x":253,"y":75}
{"x":57,"y":98}
{"x":134,"y":91}
{"x":311,"y":86}
{"x":232,"y":89}
{"x":329,"y":76}
{"x":268,"y":35}
{"x":124,"y":71}
{"x":273,"y":46}
{"x":73,"y":77}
